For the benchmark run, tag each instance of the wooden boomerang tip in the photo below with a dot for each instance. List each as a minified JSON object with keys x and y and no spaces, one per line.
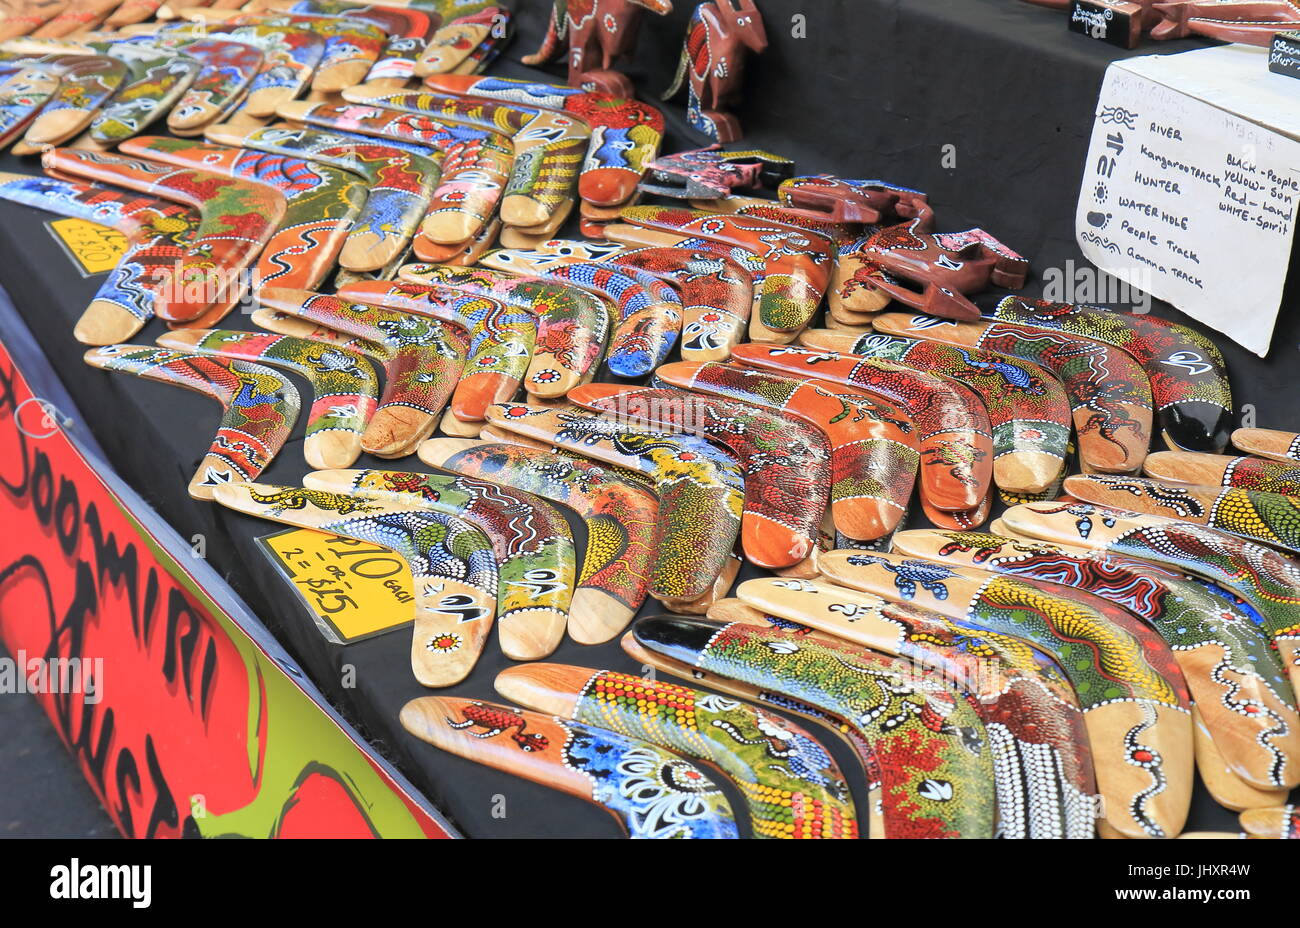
{"x":550,"y":688}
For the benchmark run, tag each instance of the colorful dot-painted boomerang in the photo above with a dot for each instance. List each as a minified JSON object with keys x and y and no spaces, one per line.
{"x":321,"y":203}
{"x":451,"y":563}
{"x":620,"y":516}
{"x":1269,"y":518}
{"x":344,"y":384}
{"x":798,"y":263}
{"x":400,"y":184}
{"x":1042,"y":763}
{"x":351,"y":47}
{"x":535,"y":554}
{"x":649,"y":308}
{"x":1267,"y":580}
{"x":423,"y":365}
{"x":953,"y":430}
{"x":1027,"y":406}
{"x":259,"y":407}
{"x":711,"y":173}
{"x":228,"y":70}
{"x":873,"y":455}
{"x":651,"y":792}
{"x":625,"y":133}
{"x":548,"y":148}
{"x":468,"y":41}
{"x":1189,"y":379}
{"x":475,"y":163}
{"x":290,"y":58}
{"x":237,"y":218}
{"x":1133,"y":695}
{"x":572,"y":324}
{"x":1108,"y":389}
{"x":791,"y":785}
{"x":24,"y":89}
{"x":785,"y":461}
{"x":1209,"y":470}
{"x":1238,"y":684}
{"x":701,"y":489}
{"x":86,"y":83}
{"x":928,"y":744}
{"x":157,"y":233}
{"x":25,"y":16}
{"x":501,"y":338}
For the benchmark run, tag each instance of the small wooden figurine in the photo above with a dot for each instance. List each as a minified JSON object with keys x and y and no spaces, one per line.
{"x":598,"y":32}
{"x":719,"y":37}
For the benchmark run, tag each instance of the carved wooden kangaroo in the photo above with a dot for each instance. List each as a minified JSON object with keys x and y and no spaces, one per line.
{"x":599,"y":32}
{"x":714,"y":57}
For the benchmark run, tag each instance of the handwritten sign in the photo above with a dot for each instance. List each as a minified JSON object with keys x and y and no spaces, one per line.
{"x":352,"y":588}
{"x":93,"y":248}
{"x":1191,"y":185}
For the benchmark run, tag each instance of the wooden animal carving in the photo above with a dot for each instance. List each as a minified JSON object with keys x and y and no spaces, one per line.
{"x":714,"y":57}
{"x":599,"y":32}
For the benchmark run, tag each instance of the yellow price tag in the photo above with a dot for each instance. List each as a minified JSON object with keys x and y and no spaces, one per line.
{"x":93,"y":247}
{"x":354,"y":589}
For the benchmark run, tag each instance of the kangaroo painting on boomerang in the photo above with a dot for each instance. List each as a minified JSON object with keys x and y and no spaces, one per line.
{"x":720,"y":35}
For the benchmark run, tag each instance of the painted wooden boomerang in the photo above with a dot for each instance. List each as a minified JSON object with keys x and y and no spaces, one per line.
{"x":953,"y":430}
{"x":710,"y":173}
{"x":351,"y":47}
{"x":451,"y":564}
{"x":475,"y":163}
{"x":82,"y":16}
{"x":24,"y":90}
{"x":1247,"y":473}
{"x":25,"y":16}
{"x":1279,"y":822}
{"x":799,"y":262}
{"x":501,"y":337}
{"x":154,"y":82}
{"x":841,"y":199}
{"x":1250,"y":22}
{"x":406,"y":29}
{"x":157,"y":234}
{"x":345,"y":387}
{"x":1239,"y":686}
{"x":947,"y":265}
{"x":649,"y":308}
{"x":1268,"y":518}
{"x":625,"y":133}
{"x":620,"y":517}
{"x":1027,"y":407}
{"x":1267,"y":580}
{"x":1221,"y":781}
{"x":700,"y":488}
{"x":290,"y":58}
{"x":1189,"y":378}
{"x":1138,"y":721}
{"x":1042,"y":766}
{"x":86,"y":83}
{"x":762,"y":208}
{"x":422,"y":364}
{"x":467,"y":43}
{"x":833,"y":724}
{"x":400,"y":184}
{"x":237,"y":218}
{"x":281,"y":323}
{"x":547,"y":148}
{"x":536,"y":558}
{"x":902,"y":716}
{"x":873,"y":456}
{"x":785,"y":461}
{"x":259,"y":407}
{"x":228,"y":70}
{"x":653,"y":793}
{"x":716,"y":291}
{"x":572,"y":324}
{"x":791,"y":786}
{"x":321,"y":203}
{"x":131,"y":12}
{"x":1110,"y":392}
{"x":1268,"y":443}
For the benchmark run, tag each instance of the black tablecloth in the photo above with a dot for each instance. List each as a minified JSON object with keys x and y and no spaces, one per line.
{"x":874,"y":90}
